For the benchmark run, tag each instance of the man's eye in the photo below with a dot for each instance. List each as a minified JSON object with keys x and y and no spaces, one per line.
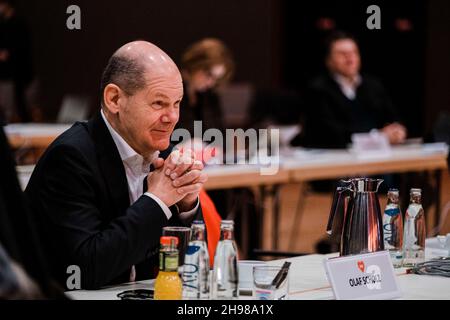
{"x":157,"y":104}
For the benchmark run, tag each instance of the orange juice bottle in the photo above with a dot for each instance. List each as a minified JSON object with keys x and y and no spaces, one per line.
{"x":168,"y":284}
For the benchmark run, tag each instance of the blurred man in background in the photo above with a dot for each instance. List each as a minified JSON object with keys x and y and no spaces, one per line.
{"x":344,"y":101}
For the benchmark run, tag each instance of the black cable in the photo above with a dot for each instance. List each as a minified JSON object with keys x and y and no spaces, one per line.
{"x":435,"y":267}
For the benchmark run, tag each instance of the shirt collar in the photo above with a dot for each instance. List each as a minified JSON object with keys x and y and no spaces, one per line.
{"x":126,"y":152}
{"x":344,"y":83}
{"x":347,"y":88}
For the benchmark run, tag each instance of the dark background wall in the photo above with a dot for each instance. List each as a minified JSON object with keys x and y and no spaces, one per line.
{"x":276,"y":43}
{"x":71,"y":61}
{"x":437,"y":75}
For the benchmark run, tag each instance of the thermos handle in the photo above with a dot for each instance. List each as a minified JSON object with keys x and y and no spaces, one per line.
{"x":338,"y":210}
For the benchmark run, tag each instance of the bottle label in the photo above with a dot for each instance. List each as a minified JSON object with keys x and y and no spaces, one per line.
{"x":392,"y":212}
{"x":387,"y":233}
{"x":190,"y":278}
{"x":171,"y":262}
{"x":161,"y":261}
{"x":168,"y":261}
{"x":413,"y":210}
{"x":192,"y":249}
{"x":191,"y":269}
{"x":261,"y":294}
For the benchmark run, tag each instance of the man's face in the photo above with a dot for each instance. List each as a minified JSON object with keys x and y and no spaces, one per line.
{"x":148,"y":117}
{"x":344,"y":58}
{"x":203,"y":80}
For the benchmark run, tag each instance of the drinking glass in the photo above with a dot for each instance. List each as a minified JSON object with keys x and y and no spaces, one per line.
{"x":183,"y":234}
{"x":264,"y":286}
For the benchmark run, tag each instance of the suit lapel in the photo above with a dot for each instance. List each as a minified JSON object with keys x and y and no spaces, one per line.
{"x":110,"y":163}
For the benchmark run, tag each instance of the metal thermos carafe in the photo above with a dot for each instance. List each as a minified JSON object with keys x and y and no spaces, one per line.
{"x":355,"y":220}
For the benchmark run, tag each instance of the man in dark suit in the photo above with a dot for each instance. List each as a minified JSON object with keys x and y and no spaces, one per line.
{"x":98,"y":205}
{"x":343,"y":101}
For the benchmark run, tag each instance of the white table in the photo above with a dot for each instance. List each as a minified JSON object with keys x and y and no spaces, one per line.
{"x":33,"y":135}
{"x":109,"y":293}
{"x":307,"y":281}
{"x":316,"y":164}
{"x":304,"y":165}
{"x":299,"y":165}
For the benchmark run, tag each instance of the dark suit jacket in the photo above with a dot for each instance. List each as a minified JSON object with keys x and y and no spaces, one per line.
{"x":79,"y":193}
{"x":331,"y":117}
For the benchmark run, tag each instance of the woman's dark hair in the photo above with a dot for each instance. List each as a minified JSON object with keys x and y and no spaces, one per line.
{"x":206,"y":53}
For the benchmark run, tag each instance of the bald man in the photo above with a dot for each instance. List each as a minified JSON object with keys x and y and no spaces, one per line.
{"x":99,"y":204}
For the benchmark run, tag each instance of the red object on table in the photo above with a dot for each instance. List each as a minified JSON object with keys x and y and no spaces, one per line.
{"x":212,"y":221}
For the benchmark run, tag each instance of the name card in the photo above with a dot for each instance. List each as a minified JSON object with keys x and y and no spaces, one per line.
{"x":370,"y":145}
{"x":364,"y":276}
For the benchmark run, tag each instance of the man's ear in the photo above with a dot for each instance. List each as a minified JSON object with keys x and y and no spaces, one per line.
{"x":112,"y":96}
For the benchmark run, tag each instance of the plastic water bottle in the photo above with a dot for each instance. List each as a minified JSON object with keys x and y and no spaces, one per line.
{"x":196,"y":265}
{"x":225,"y":272}
{"x":415,"y":231}
{"x":393,"y":228}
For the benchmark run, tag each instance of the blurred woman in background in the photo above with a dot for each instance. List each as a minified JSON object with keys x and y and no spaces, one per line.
{"x":205,"y":65}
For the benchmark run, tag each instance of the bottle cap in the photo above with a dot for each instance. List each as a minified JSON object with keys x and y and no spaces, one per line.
{"x":227,"y":222}
{"x":196,"y":225}
{"x":168,"y":240}
{"x":393,"y":190}
{"x":415,"y":190}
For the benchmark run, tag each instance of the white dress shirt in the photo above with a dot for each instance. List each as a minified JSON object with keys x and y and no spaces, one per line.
{"x":347,"y":88}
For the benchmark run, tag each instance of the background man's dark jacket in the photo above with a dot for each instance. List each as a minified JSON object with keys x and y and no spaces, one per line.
{"x":79,"y":193}
{"x":331,"y":117}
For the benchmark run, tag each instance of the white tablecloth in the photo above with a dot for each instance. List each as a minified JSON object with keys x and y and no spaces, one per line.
{"x":36,"y":129}
{"x":307,"y":281}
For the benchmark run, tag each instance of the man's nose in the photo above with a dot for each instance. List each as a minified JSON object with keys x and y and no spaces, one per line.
{"x":170,"y":116}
